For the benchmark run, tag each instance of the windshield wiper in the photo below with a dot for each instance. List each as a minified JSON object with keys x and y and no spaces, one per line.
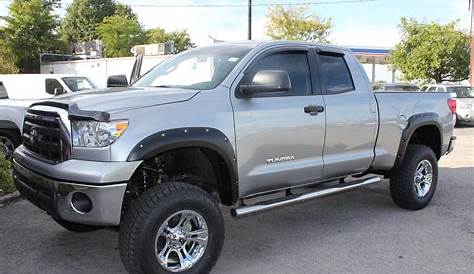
{"x":164,"y":86}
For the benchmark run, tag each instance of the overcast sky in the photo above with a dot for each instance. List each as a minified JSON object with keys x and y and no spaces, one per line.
{"x":372,"y":23}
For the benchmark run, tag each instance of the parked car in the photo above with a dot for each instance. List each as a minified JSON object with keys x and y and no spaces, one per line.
{"x":222,"y":125}
{"x":464,"y":99}
{"x":18,"y":91}
{"x":398,"y":87}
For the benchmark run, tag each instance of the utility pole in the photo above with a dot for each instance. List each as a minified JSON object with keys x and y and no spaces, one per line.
{"x":250,"y":20}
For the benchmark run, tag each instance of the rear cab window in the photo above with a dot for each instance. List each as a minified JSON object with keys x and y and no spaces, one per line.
{"x":335,"y":73}
{"x":3,"y":91}
{"x":462,"y":92}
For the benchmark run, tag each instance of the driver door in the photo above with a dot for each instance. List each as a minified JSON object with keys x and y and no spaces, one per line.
{"x":279,"y":144}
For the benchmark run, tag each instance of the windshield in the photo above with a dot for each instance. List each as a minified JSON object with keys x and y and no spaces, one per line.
{"x":78,"y":83}
{"x":462,"y":92}
{"x":202,"y":68}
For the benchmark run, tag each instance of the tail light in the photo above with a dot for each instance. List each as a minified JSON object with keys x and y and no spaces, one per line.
{"x":452,"y":105}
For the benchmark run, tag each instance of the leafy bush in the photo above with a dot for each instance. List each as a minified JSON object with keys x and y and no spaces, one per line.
{"x":6,"y":181}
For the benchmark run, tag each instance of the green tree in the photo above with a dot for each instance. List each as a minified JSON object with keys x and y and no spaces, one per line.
{"x":30,"y":30}
{"x":430,"y":51}
{"x":53,"y":4}
{"x":7,"y":60}
{"x":120,"y":34}
{"x":83,"y":17}
{"x":181,"y":38}
{"x":296,"y":23}
{"x":126,"y":11}
{"x":6,"y":181}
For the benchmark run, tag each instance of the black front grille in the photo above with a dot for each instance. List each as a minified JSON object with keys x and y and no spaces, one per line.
{"x":44,"y":136}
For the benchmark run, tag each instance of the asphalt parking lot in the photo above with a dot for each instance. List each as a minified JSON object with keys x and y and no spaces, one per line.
{"x":356,"y":232}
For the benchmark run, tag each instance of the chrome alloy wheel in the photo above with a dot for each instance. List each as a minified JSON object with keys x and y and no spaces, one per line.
{"x":181,"y":241}
{"x":423,"y":178}
{"x":6,"y":147}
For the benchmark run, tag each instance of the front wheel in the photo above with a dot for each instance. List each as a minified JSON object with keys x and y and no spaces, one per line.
{"x":413,"y":185}
{"x":172,"y":227}
{"x":9,"y":140}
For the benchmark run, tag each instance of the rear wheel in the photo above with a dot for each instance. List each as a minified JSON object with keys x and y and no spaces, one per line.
{"x":413,"y":185}
{"x":9,"y":140}
{"x":172,"y":227}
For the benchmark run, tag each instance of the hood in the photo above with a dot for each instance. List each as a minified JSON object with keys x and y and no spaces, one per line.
{"x":119,"y":99}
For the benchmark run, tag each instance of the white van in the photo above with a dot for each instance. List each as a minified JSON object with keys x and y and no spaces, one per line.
{"x":19,"y":91}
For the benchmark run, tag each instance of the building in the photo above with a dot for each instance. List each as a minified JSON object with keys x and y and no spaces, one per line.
{"x":376,"y":64}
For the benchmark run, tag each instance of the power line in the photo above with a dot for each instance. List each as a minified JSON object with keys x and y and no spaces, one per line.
{"x":238,"y":5}
{"x":246,"y":5}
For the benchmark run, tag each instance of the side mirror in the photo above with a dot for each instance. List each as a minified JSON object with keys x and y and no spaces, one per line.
{"x":58,"y":91}
{"x":266,"y":81}
{"x":117,"y":81}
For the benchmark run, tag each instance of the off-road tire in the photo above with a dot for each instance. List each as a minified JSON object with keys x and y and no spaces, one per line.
{"x":402,"y":183}
{"x":12,"y":135}
{"x":146,"y":214}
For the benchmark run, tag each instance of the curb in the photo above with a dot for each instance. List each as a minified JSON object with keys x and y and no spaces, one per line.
{"x":5,"y":199}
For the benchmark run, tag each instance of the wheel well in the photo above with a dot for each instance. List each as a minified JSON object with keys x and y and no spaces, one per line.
{"x":13,"y":130}
{"x":428,"y":135}
{"x":198,"y":166}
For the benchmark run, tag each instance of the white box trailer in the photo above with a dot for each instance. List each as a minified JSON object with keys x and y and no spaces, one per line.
{"x":98,"y":70}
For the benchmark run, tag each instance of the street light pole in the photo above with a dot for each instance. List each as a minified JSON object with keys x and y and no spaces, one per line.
{"x":250,"y":21}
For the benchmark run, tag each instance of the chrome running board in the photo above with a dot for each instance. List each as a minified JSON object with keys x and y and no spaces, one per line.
{"x":299,"y":198}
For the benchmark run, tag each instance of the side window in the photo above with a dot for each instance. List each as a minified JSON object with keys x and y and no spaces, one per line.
{"x":295,"y":63}
{"x":52,"y":84}
{"x":431,"y":89}
{"x":335,"y":74}
{"x":3,"y":92}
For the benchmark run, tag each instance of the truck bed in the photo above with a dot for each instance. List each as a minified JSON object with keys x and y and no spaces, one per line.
{"x":394,"y":110}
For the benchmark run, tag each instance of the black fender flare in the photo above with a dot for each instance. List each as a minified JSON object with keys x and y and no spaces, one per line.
{"x":5,"y":124}
{"x":202,"y":137}
{"x":414,"y":122}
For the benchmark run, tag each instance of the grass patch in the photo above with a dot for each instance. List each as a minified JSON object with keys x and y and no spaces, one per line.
{"x":6,"y":181}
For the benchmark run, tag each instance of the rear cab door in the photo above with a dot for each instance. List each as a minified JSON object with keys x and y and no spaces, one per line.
{"x":351,"y":114}
{"x":279,"y":144}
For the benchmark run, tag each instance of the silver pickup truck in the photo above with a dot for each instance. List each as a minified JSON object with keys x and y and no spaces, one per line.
{"x":249,"y":125}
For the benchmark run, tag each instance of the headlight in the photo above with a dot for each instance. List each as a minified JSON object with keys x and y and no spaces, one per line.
{"x":97,"y":134}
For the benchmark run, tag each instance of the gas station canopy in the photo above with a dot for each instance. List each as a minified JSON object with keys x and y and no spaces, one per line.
{"x":377,"y":56}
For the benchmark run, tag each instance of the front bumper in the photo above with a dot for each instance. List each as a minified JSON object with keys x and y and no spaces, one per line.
{"x":53,"y":187}
{"x":54,"y":197}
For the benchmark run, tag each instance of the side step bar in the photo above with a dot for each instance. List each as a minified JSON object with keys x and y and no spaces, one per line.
{"x":299,"y":198}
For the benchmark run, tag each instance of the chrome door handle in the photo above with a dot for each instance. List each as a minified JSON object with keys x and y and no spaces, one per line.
{"x":313,"y":109}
